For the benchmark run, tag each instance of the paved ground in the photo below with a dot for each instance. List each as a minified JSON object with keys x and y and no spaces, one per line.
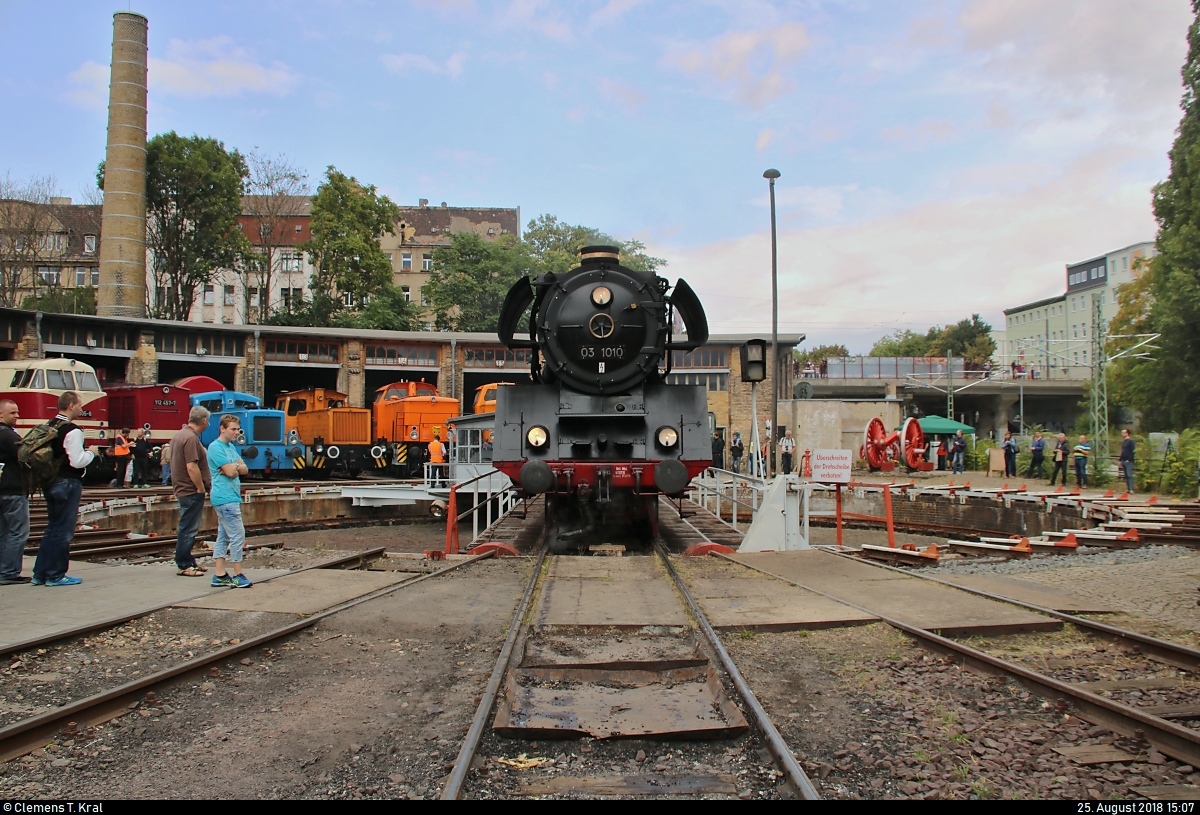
{"x":108,"y":592}
{"x":608,"y":591}
{"x":1163,"y":591}
{"x":909,"y":599}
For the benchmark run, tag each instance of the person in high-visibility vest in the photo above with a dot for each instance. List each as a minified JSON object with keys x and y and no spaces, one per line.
{"x":121,"y":456}
{"x":437,"y":457}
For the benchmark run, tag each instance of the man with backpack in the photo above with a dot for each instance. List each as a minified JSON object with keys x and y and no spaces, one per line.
{"x":14,"y":502}
{"x":63,"y":492}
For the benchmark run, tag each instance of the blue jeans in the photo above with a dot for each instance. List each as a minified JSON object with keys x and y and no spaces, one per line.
{"x":231,"y":533}
{"x":1081,"y":472}
{"x":956,"y":461}
{"x":62,"y":509}
{"x":1126,"y":468}
{"x":14,"y":531}
{"x":166,"y":473}
{"x":191,"y":507}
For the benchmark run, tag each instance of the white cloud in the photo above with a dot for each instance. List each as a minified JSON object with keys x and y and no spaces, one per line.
{"x":625,"y":96}
{"x":919,"y":265}
{"x":765,"y":137}
{"x":612,"y":12}
{"x":920,"y":135}
{"x":539,"y":16}
{"x":751,"y":63}
{"x":89,"y":85}
{"x":216,"y":67}
{"x":405,"y":64}
{"x":1099,"y":67}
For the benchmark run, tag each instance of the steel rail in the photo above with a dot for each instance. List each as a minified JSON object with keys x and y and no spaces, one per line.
{"x":1173,"y":653}
{"x":466,"y":754}
{"x":29,"y":734}
{"x":1171,"y":739}
{"x":457,"y":778}
{"x":775,"y":743}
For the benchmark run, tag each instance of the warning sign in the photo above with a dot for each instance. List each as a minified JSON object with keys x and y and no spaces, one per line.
{"x":831,"y":466}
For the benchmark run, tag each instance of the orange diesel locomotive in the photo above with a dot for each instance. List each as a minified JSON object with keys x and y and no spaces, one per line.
{"x":393,"y":435}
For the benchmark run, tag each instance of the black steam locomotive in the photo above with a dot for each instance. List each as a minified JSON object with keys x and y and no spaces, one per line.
{"x":600,"y":433}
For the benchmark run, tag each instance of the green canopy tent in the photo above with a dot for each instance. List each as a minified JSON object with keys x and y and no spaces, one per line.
{"x":941,"y":426}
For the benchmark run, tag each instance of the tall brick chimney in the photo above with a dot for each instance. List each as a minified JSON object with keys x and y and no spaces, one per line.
{"x":122,"y":290}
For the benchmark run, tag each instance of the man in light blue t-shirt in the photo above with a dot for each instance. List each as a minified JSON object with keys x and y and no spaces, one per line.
{"x":226,"y":467}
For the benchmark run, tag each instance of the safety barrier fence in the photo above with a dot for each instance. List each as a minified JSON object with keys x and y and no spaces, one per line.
{"x":718,"y":491}
{"x":493,"y":497}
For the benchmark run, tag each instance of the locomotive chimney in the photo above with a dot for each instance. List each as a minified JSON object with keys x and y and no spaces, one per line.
{"x":122,"y":291}
{"x":595,"y":253}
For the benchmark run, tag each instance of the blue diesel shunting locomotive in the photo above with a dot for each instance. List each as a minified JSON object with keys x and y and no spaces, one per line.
{"x":263,"y":445}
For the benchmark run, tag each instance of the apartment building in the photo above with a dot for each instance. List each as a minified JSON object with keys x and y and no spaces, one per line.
{"x":422,"y":229}
{"x":282,"y":227}
{"x":47,"y":245}
{"x":1054,"y":336}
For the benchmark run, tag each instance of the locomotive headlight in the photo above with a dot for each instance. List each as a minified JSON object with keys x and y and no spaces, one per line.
{"x":601,"y":295}
{"x":667,"y":437}
{"x":537,"y":437}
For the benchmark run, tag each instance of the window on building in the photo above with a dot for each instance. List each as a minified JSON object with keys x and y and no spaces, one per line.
{"x":389,"y":256}
{"x":95,"y":277}
{"x":292,"y":261}
{"x":48,"y":275}
{"x":426,"y":263}
{"x":89,"y":244}
{"x":230,"y":295}
{"x":209,"y":295}
{"x":285,"y":297}
{"x":406,"y":261}
{"x":81,"y":276}
{"x":348,"y":299}
{"x":1125,"y":263}
{"x":407,"y":294}
{"x":253,"y":297}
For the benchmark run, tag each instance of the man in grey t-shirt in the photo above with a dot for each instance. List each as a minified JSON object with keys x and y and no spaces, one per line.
{"x":190,"y":480}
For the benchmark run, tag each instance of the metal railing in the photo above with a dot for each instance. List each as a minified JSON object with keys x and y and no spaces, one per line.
{"x":499,"y":498}
{"x":716,"y":488}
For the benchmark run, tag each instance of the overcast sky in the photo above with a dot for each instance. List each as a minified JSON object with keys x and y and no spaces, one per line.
{"x":938,"y":158}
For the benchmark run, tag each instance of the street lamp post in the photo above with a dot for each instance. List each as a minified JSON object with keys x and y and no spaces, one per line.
{"x":771,"y":175}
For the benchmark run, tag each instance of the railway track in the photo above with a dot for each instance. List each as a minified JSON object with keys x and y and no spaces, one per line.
{"x":550,"y":683}
{"x":1097,"y":702}
{"x":26,"y":735}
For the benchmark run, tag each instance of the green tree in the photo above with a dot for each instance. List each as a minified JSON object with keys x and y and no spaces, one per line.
{"x":554,"y":246}
{"x":387,"y":310}
{"x":194,"y":190}
{"x":348,"y":219}
{"x":819,"y":354}
{"x":967,"y":338}
{"x":906,"y":343}
{"x":470,"y":279}
{"x":1131,"y":382}
{"x":57,"y":300}
{"x":1172,"y":381}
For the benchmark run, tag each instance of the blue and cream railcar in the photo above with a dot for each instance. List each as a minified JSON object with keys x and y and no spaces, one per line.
{"x":264,"y":445}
